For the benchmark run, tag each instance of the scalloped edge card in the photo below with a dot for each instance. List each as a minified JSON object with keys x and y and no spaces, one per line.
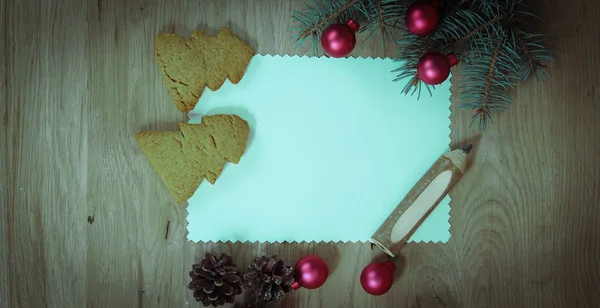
{"x":334,"y":147}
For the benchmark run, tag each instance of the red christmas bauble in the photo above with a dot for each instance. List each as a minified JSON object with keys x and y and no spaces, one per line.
{"x":422,"y":18}
{"x":377,"y":278}
{"x":434,"y":68}
{"x":310,"y":272}
{"x":338,"y":40}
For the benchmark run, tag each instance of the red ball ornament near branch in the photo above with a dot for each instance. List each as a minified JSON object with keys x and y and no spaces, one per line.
{"x":310,"y":272}
{"x":377,"y":278}
{"x":338,"y":40}
{"x":434,"y":68}
{"x":422,"y":18}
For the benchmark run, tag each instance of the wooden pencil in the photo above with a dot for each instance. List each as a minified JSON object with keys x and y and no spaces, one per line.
{"x":418,"y":203}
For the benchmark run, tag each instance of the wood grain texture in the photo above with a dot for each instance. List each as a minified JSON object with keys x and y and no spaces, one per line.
{"x":84,"y":219}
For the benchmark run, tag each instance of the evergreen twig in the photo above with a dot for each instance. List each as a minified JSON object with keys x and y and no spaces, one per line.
{"x":530,"y":46}
{"x":483,"y":109}
{"x":469,"y":35}
{"x":458,"y":29}
{"x":488,"y":36}
{"x":382,"y":18}
{"x":533,"y":54}
{"x":318,"y":26}
{"x":411,"y":49}
{"x":320,"y":15}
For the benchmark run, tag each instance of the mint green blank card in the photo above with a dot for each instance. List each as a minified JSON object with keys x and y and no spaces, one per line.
{"x":334,"y":147}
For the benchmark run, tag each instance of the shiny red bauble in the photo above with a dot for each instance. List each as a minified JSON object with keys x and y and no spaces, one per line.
{"x":338,"y":40}
{"x":434,"y":68}
{"x":310,"y":272}
{"x":423,"y":18}
{"x":377,"y":278}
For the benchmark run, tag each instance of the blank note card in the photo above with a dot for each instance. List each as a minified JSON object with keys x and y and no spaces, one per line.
{"x":334,"y":147}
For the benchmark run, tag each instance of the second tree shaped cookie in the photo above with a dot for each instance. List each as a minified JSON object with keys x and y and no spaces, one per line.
{"x":183,"y":159}
{"x":190,"y":65}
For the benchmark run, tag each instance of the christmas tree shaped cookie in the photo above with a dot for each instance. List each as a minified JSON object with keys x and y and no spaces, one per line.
{"x":190,"y":65}
{"x":182,"y":159}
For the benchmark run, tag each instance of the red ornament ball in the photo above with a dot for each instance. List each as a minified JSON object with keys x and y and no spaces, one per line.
{"x":310,"y":272}
{"x":434,"y":68}
{"x":338,"y":40}
{"x":422,"y":18}
{"x":377,"y":278}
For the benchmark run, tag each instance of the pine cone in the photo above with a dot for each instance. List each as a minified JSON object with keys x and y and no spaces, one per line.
{"x":215,"y":281}
{"x":269,"y":279}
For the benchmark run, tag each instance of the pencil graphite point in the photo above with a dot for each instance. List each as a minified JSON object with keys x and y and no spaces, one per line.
{"x":466,"y":149}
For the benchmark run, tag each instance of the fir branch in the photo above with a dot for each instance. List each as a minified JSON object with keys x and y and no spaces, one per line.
{"x":490,"y":77}
{"x":529,"y":46}
{"x":324,"y":20}
{"x":488,"y":80}
{"x":489,"y":7}
{"x":488,"y":36}
{"x":482,"y":117}
{"x":520,"y":11}
{"x":529,"y":61}
{"x":320,"y":15}
{"x":383,"y":17}
{"x":411,"y":49}
{"x":479,"y":29}
{"x":456,"y":28}
{"x":534,"y":53}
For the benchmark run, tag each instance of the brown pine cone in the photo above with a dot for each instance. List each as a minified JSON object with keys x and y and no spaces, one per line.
{"x":215,"y":281}
{"x":269,"y":279}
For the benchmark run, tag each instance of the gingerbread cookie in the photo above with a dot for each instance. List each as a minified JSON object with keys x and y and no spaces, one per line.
{"x":182,"y":159}
{"x":190,"y":65}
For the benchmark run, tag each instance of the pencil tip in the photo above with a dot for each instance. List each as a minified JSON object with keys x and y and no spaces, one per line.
{"x":466,"y":149}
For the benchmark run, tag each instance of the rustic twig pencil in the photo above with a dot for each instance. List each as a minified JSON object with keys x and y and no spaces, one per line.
{"x":400,"y":225}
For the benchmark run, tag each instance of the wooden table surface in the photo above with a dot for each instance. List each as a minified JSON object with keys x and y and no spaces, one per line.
{"x":84,"y":219}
